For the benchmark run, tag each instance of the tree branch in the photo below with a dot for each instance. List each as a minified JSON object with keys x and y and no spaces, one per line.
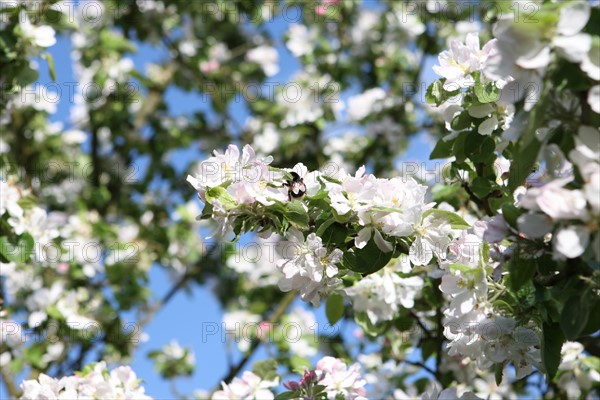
{"x":11,"y":388}
{"x":277,"y":314}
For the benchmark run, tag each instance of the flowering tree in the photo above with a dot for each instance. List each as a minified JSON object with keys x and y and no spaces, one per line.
{"x":479,"y":283}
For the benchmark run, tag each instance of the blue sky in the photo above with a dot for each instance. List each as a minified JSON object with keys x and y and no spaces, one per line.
{"x":183,"y":317}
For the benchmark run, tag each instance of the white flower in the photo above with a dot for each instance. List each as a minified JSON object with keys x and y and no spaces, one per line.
{"x":257,"y":268}
{"x":120,"y":383}
{"x":306,"y":324}
{"x":38,"y":98}
{"x":380,"y":294}
{"x":406,"y":197}
{"x":301,"y":40}
{"x":591,"y":61}
{"x":466,"y":290}
{"x":41,"y":36}
{"x":354,"y":193}
{"x":265,"y":56}
{"x":569,"y":42}
{"x":557,"y":202}
{"x":310,"y":179}
{"x":302,"y":102}
{"x":11,"y":333}
{"x":495,"y":230}
{"x":9,"y":200}
{"x":247,"y":174}
{"x":307,"y":267}
{"x":575,"y":374}
{"x":436,"y":393}
{"x":249,"y":386}
{"x":587,"y":150}
{"x":362,"y":105}
{"x":407,"y":21}
{"x":534,"y":225}
{"x":458,"y":63}
{"x":236,"y":323}
{"x":219,"y":52}
{"x":363,"y":29}
{"x":432,"y":237}
{"x":174,"y":352}
{"x":266,"y":137}
{"x":557,"y":164}
{"x":594,"y":98}
{"x":464,"y":250}
{"x":339,"y":380}
{"x":571,"y":241}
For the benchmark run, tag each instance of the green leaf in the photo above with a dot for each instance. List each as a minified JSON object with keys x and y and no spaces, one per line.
{"x":298,"y":363}
{"x":574,"y":316}
{"x":455,"y":220}
{"x":552,"y":341}
{"x":485,"y":153}
{"x":27,"y":76}
{"x":487,"y":93}
{"x":498,"y":372}
{"x":266,"y":369}
{"x":362,"y":319}
{"x":286,"y":396}
{"x":297,"y":214}
{"x":335,"y":235}
{"x":367,"y":260}
{"x":221,"y":194}
{"x":113,"y":41}
{"x":207,"y":211}
{"x":435,"y":93}
{"x":521,"y":271}
{"x":429,"y":347}
{"x":54,"y":312}
{"x":342,"y":219}
{"x":50,"y":61}
{"x":481,"y":187}
{"x":20,"y":252}
{"x":523,"y":164}
{"x":26,"y":243}
{"x":326,"y":224}
{"x":35,"y":355}
{"x":592,"y":362}
{"x":461,"y":121}
{"x":459,"y":146}
{"x":528,"y":146}
{"x":334,"y":309}
{"x":442,"y":149}
{"x":511,"y":213}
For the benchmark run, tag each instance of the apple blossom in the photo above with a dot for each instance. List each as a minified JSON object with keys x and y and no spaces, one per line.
{"x":249,"y":386}
{"x":308,"y":267}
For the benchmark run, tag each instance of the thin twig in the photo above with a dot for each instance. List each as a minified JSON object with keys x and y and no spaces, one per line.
{"x":11,"y":388}
{"x":277,"y":314}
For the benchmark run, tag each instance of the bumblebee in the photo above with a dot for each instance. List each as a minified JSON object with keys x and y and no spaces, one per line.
{"x":296,"y":186}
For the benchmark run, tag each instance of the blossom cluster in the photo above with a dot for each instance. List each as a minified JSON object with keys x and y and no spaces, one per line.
{"x":380,"y":295}
{"x":567,"y":214}
{"x":242,"y":192}
{"x":331,"y":379}
{"x":95,"y":382}
{"x":473,"y":325}
{"x":467,"y":96}
{"x":249,"y":386}
{"x":43,"y":254}
{"x":173,"y":360}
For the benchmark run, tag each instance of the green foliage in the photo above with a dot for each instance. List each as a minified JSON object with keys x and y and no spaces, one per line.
{"x":334,"y":309}
{"x":552,"y":341}
{"x":367,"y":260}
{"x":266,"y":369}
